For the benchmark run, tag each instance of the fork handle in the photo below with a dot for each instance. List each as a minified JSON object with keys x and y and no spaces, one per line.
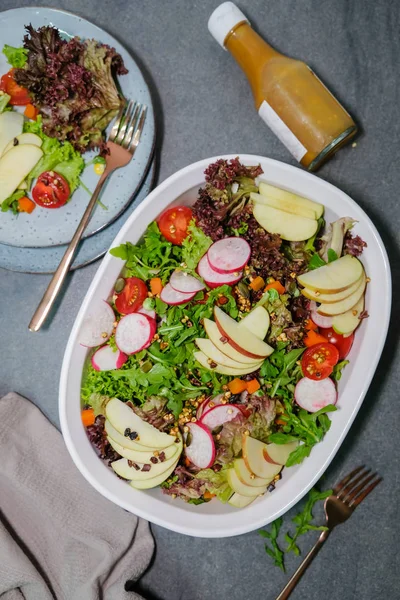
{"x":59,"y":276}
{"x":288,"y":589}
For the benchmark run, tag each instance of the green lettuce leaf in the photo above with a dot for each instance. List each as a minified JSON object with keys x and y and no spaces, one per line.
{"x":217,"y":483}
{"x":194,"y":246}
{"x":11,"y":203}
{"x":16,"y":57}
{"x":4,"y":100}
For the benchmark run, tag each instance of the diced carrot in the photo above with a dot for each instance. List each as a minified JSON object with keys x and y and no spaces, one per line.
{"x":257,"y":284}
{"x":222,"y":300}
{"x":187,"y":462}
{"x":156,"y":285}
{"x":31,"y":112}
{"x":237,"y":386}
{"x":313,"y":338}
{"x":208,"y":495}
{"x":311,"y":326}
{"x":253,"y":386}
{"x":88,"y":417}
{"x":26,"y":205}
{"x":275,"y":285}
{"x":280,"y":422}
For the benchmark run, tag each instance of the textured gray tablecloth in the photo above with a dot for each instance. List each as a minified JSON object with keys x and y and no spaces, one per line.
{"x":204,"y":108}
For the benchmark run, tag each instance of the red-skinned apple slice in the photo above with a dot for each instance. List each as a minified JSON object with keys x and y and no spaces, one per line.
{"x":246,"y":477}
{"x":238,"y":501}
{"x":221,"y":369}
{"x":241,"y":488}
{"x":221,"y":342}
{"x":216,"y":355}
{"x":279,"y":453}
{"x":241,"y":338}
{"x":253,"y":456}
{"x":257,"y":321}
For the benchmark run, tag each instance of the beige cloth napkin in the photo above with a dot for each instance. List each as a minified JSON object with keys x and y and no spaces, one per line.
{"x":59,"y":538}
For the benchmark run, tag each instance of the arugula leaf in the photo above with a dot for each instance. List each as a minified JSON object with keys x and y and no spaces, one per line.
{"x":315,"y":262}
{"x":297,"y":456}
{"x":310,"y":244}
{"x":332,"y":255}
{"x":338,"y":368}
{"x":303,"y":520}
{"x":274,"y":551}
{"x":16,"y":57}
{"x":194,"y":246}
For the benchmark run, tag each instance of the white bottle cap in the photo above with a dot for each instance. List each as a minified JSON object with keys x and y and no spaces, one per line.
{"x":223,"y":20}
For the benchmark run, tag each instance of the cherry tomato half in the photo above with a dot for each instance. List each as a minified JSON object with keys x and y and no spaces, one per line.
{"x":174,"y":222}
{"x":318,"y":361}
{"x":19,"y":95}
{"x":51,"y":190}
{"x":132,"y":296}
{"x":343,"y":344}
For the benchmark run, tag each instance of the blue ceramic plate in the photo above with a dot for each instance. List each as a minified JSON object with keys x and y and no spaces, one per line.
{"x":46,"y":227}
{"x":46,"y":260}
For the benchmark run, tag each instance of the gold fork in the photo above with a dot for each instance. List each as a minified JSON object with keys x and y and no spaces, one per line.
{"x":347,"y":495}
{"x":122,"y":142}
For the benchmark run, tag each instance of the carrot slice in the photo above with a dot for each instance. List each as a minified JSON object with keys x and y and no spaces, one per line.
{"x":31,"y":112}
{"x":156,"y":285}
{"x":26,"y":205}
{"x":237,"y":386}
{"x":311,"y":326}
{"x":313,"y":338}
{"x":253,"y":386}
{"x":88,"y":417}
{"x":257,"y":284}
{"x":275,"y":285}
{"x":208,"y":495}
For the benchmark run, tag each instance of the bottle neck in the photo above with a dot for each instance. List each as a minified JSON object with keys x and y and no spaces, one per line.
{"x":249,"y":49}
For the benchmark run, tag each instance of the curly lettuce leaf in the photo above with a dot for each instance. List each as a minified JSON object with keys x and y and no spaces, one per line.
{"x":194,"y":246}
{"x":16,"y":57}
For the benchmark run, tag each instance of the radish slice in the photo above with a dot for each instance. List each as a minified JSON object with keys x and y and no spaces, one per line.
{"x":313,"y":395}
{"x":187,"y":284}
{"x":219,"y":415}
{"x":201,"y":449}
{"x":214,"y":279}
{"x":229,"y":255}
{"x":97,"y":328}
{"x":320,"y":320}
{"x":211,"y":403}
{"x":134,"y":332}
{"x":106,"y":359}
{"x":149,"y":313}
{"x":171,"y":296}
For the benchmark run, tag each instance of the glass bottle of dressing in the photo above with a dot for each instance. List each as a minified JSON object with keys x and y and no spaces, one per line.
{"x":288,"y":96}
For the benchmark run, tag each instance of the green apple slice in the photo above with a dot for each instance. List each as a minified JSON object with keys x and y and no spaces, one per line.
{"x":338,"y":308}
{"x":246,"y":477}
{"x":290,"y":227}
{"x":11,"y":124}
{"x":121,"y":416}
{"x":239,"y":501}
{"x":279,"y":453}
{"x":141,"y":456}
{"x":241,"y":488}
{"x":329,"y":298}
{"x":122,"y":468}
{"x":203,"y":360}
{"x":257,"y":321}
{"x":147,"y":484}
{"x":285,"y":205}
{"x":290,"y":198}
{"x":125,"y":442}
{"x":15,"y":166}
{"x":334,"y":277}
{"x":223,"y":346}
{"x":347,"y":322}
{"x":253,"y":456}
{"x":240,"y":338}
{"x":24,"y":138}
{"x":207,"y":347}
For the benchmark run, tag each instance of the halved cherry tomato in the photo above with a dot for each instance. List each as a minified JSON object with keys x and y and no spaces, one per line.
{"x":19,"y":95}
{"x":318,"y":361}
{"x":132,"y":296}
{"x":343,"y":344}
{"x":174,"y":222}
{"x":51,"y":190}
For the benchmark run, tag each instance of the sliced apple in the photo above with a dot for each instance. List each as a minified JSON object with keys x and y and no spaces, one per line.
{"x":121,"y":416}
{"x":221,"y":342}
{"x":216,"y":356}
{"x":246,"y":477}
{"x":239,"y":501}
{"x":253,"y":456}
{"x":334,"y":277}
{"x":286,"y":206}
{"x":241,"y":488}
{"x":290,"y":227}
{"x":338,"y":308}
{"x":15,"y":166}
{"x":11,"y":124}
{"x":239,"y":337}
{"x":347,"y":322}
{"x":141,"y":456}
{"x":125,"y":442}
{"x":152,"y":482}
{"x":329,"y":298}
{"x":24,"y":138}
{"x":290,"y":198}
{"x":122,"y":468}
{"x":279,"y":453}
{"x":257,"y":321}
{"x":203,"y":360}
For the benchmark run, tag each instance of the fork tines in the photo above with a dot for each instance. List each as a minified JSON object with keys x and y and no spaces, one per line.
{"x":356,"y":486}
{"x":129,"y":124}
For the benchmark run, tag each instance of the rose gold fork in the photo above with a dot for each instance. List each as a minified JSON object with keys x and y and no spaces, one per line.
{"x":347,"y":495}
{"x":122,"y":143}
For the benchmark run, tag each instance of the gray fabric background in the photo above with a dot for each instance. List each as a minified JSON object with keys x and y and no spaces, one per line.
{"x":204,"y":108}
